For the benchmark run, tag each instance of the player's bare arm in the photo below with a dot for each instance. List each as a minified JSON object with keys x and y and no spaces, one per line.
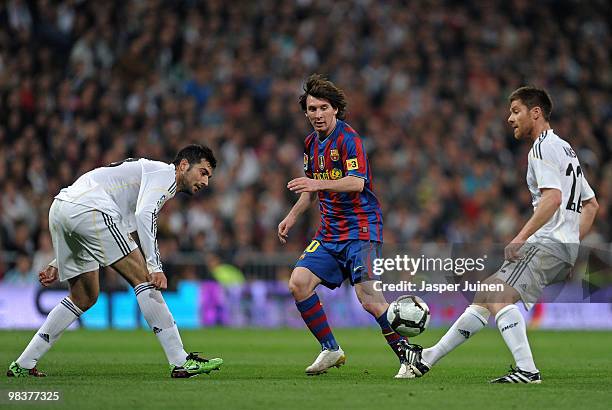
{"x":303,"y":203}
{"x":550,"y":202}
{"x":587,"y":216}
{"x":346,"y":184}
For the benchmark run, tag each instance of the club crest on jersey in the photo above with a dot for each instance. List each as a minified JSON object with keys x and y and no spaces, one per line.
{"x":335,"y":156}
{"x":335,"y":174}
{"x":321,"y":162}
{"x":305,"y":162}
{"x":352,"y":164}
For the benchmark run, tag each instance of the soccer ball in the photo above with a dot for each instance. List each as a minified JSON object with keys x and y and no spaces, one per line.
{"x":408,"y":315}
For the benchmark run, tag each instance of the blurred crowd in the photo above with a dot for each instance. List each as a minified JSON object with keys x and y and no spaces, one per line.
{"x":86,"y":83}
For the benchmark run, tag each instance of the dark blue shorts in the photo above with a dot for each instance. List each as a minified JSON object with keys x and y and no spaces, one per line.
{"x":333,"y":262}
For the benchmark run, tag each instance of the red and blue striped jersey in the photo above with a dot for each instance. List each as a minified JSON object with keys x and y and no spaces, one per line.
{"x":344,"y":215}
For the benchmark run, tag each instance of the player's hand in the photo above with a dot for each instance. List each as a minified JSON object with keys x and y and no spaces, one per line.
{"x":283,"y":228}
{"x":303,"y":184}
{"x":47,"y":276}
{"x":158,"y":279}
{"x":511,"y":251}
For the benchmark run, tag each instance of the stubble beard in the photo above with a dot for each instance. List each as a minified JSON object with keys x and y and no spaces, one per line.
{"x":524,"y":135}
{"x":181,"y":185}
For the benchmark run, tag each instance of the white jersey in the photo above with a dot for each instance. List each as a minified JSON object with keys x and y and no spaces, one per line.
{"x":133,"y":191}
{"x":554,"y":164}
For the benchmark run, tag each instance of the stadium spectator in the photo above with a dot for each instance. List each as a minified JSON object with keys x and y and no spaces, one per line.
{"x":87,"y":83}
{"x":22,"y":273}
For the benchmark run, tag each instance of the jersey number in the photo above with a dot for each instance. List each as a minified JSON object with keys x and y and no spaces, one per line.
{"x":116,"y":164}
{"x":313,"y":246}
{"x":571,"y":205}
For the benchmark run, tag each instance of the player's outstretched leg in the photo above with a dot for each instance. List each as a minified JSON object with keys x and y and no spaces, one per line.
{"x":469,"y":323}
{"x":84,"y":291}
{"x":512,"y":327}
{"x":58,"y":320}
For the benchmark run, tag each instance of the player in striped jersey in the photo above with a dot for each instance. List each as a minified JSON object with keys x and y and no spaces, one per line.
{"x":542,"y":253}
{"x":90,"y":224}
{"x":350,"y":235}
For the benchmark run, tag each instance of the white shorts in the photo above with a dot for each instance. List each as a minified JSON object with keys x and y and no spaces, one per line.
{"x":85,"y":238}
{"x":532,"y":273}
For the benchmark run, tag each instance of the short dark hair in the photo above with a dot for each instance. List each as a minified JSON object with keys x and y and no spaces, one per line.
{"x":320,"y":87}
{"x":534,"y":97}
{"x":194,"y":153}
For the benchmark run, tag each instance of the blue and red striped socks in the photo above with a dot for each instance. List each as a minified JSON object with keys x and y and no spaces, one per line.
{"x":313,"y":314}
{"x":393,"y":338}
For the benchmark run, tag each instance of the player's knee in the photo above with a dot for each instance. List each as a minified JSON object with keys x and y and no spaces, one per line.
{"x":297,"y":288}
{"x":133,"y":268}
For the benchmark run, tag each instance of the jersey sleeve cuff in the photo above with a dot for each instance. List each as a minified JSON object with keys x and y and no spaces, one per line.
{"x":587,"y":198}
{"x":154,"y":268}
{"x":549,"y":186}
{"x":357,"y":175}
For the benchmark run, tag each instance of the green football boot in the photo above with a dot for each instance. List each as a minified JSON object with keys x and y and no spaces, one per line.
{"x":15,"y":370}
{"x":195,"y":365}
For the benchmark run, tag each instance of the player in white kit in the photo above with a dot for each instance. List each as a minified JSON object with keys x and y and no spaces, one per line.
{"x":542,"y":253}
{"x":93,"y":223}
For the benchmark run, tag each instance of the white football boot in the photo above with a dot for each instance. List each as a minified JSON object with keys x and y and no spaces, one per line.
{"x":325,"y":360}
{"x":405,"y":372}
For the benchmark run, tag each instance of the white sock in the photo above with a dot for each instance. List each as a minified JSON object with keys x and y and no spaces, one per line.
{"x":159,"y":318}
{"x":58,"y":320}
{"x":471,"y":321}
{"x":512,"y":328}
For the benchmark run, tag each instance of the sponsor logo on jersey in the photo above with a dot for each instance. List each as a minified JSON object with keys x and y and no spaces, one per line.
{"x":352,"y":164}
{"x":321,"y":162}
{"x":335,"y":174}
{"x":335,"y":156}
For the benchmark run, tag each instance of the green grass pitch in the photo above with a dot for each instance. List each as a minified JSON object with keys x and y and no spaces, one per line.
{"x":264,"y":369}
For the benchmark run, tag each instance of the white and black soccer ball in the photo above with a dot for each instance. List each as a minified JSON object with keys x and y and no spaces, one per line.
{"x":408,"y":315}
